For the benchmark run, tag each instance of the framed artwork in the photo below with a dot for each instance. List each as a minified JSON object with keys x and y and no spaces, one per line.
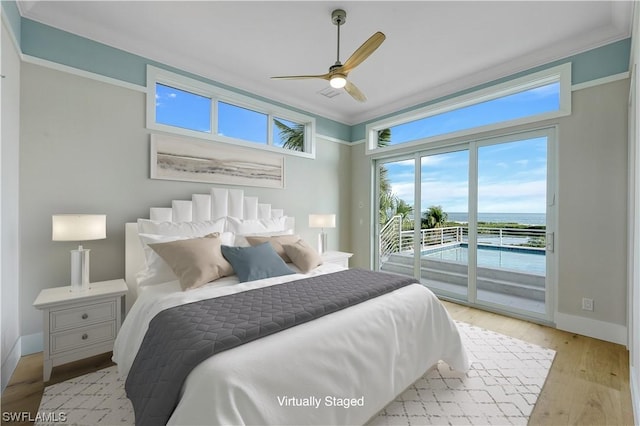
{"x":184,"y":159}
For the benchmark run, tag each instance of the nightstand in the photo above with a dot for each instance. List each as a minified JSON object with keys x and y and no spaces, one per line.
{"x":78,"y":325}
{"x":338,"y":257}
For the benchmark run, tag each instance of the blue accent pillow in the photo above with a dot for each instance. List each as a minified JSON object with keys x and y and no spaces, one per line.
{"x":255,"y":263}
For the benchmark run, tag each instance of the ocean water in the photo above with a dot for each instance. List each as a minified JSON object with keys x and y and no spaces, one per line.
{"x":522,"y":218}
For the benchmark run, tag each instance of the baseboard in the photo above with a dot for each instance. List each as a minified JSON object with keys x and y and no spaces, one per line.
{"x":635,"y":393}
{"x":32,"y":344}
{"x":602,"y":330}
{"x":10,"y":364}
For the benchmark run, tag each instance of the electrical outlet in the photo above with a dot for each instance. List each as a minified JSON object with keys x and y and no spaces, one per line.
{"x":587,"y":304}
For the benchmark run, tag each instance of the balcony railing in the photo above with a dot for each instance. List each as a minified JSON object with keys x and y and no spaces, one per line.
{"x":395,"y":240}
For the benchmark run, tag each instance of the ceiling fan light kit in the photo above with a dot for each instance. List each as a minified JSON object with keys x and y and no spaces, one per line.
{"x":338,"y":81}
{"x":338,"y":72}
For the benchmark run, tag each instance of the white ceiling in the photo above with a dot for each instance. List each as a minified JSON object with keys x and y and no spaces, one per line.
{"x":432,"y":48}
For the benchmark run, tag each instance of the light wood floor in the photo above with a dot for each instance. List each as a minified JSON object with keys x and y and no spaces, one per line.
{"x":588,"y":383}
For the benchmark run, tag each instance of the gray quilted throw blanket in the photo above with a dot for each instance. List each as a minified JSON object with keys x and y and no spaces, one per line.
{"x":179,"y":338}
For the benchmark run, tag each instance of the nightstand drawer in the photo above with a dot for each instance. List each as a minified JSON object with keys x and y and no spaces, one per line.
{"x":78,"y":325}
{"x":66,"y":319}
{"x":86,"y":336}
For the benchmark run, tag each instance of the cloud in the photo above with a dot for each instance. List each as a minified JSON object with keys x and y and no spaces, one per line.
{"x":433,"y":160}
{"x":513,"y":197}
{"x":499,"y":197}
{"x":410,"y":162}
{"x":512,"y":178}
{"x":544,"y":91}
{"x":403,"y":190}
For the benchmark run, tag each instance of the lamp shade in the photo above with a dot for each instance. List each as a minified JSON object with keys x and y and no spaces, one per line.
{"x":322,"y":221}
{"x":79,"y":227}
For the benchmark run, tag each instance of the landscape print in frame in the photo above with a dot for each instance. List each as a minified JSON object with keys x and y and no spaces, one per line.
{"x":184,"y":159}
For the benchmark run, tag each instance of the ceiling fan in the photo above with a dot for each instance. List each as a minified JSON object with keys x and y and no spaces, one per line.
{"x":338,"y":72}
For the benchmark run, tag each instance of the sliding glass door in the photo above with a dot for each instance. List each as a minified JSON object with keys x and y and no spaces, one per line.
{"x":444,"y":204}
{"x":511,"y":231}
{"x":475,"y":222}
{"x":396,"y":217}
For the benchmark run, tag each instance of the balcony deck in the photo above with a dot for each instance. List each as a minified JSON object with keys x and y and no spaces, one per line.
{"x":517,"y":289}
{"x":504,"y":287}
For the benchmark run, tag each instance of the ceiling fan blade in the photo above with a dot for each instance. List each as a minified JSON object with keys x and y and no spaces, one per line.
{"x":301,"y":77}
{"x":363,"y":52}
{"x":355,"y":92}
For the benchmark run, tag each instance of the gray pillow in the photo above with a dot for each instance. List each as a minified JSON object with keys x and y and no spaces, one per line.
{"x":255,"y":263}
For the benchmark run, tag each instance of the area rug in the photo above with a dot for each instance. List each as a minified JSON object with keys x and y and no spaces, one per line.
{"x":501,"y":387}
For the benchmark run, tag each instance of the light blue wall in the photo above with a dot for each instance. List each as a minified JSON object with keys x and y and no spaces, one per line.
{"x":52,"y":44}
{"x":12,"y":15}
{"x":58,"y":46}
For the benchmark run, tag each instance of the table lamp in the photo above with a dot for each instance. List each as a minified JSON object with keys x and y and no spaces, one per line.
{"x":79,"y":227}
{"x":322,"y":221}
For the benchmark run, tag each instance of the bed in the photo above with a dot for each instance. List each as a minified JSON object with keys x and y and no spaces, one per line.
{"x":340,"y":368}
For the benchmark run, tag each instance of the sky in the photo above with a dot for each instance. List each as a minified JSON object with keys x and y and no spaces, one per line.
{"x":511,"y":176}
{"x":191,"y":111}
{"x":522,"y":104}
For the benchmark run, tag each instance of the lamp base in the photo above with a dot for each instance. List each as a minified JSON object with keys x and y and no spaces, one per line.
{"x":79,"y":269}
{"x":322,"y":242}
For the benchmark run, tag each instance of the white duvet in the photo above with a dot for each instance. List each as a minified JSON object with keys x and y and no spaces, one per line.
{"x":338,"y":369}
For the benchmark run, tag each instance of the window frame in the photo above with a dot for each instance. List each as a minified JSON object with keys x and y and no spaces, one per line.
{"x":215,"y":93}
{"x":558,"y":74}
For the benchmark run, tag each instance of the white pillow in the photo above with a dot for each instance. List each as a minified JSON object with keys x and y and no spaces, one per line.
{"x":254,"y":226}
{"x":184,"y":229}
{"x":228,"y":238}
{"x":157,"y":271}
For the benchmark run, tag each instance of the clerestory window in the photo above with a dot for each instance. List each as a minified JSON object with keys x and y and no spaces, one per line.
{"x":534,"y":97}
{"x":178,"y":104}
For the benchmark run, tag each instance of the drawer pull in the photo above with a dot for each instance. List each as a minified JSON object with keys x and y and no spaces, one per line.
{"x":85,"y":316}
{"x":85,"y":336}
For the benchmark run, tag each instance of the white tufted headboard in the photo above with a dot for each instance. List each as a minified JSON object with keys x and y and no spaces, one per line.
{"x":220,"y":202}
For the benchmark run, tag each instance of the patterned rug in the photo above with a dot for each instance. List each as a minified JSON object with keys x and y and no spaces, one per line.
{"x":501,"y":387}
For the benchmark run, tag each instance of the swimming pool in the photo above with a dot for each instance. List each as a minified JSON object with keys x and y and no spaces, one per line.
{"x":517,"y":259}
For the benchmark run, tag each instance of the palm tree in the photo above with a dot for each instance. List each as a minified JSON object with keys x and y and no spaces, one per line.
{"x":384,"y":137}
{"x":387,"y":206}
{"x":293,"y":137}
{"x":405,"y":211}
{"x":388,"y":200}
{"x":434,"y":217}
